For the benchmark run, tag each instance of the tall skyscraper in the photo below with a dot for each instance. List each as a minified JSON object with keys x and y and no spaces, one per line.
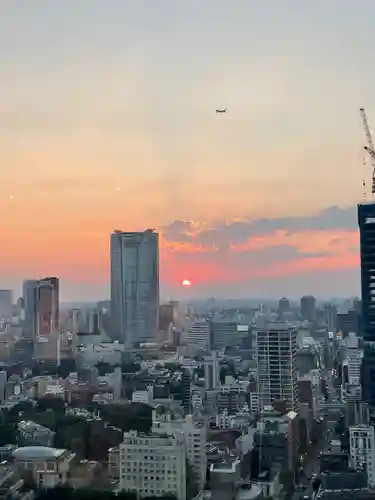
{"x":46,"y":306}
{"x":28,"y":295}
{"x":134,"y":285}
{"x":366,"y":222}
{"x":308,"y":307}
{"x":276,"y":349}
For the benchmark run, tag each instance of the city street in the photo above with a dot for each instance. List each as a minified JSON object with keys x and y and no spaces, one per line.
{"x":311,"y":466}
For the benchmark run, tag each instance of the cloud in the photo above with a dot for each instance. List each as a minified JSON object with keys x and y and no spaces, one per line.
{"x":247,"y":251}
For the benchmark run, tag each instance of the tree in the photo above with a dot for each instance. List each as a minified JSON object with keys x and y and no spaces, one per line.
{"x":54,"y":403}
{"x":134,"y":416}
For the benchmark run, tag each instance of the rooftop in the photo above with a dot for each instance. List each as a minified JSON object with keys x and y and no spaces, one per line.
{"x":37,"y":452}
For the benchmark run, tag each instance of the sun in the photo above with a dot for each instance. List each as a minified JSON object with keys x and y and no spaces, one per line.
{"x":186,"y":283}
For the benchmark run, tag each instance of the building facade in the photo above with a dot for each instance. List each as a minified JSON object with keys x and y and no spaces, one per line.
{"x":46,"y":306}
{"x":362,"y":450}
{"x":366,"y":222}
{"x":5,"y":305}
{"x":153,"y":465}
{"x":134,"y":286}
{"x":276,"y":350}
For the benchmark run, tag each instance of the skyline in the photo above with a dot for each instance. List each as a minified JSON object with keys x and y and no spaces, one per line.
{"x":108,"y":122}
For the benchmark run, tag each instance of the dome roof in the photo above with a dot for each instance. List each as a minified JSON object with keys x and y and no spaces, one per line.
{"x":36,"y":452}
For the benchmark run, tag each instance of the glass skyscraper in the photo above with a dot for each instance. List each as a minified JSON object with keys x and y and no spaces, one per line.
{"x":134,"y":286}
{"x":366,"y":221}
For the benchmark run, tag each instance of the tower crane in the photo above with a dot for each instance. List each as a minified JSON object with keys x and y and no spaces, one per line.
{"x":369,"y":148}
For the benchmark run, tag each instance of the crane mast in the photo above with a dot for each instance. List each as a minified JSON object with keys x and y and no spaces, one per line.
{"x":369,"y":148}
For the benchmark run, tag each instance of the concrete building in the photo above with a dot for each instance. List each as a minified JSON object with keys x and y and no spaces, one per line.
{"x":153,"y":465}
{"x":362,"y":450}
{"x":276,"y":349}
{"x":48,"y":466}
{"x":135,"y":286}
{"x":195,"y":434}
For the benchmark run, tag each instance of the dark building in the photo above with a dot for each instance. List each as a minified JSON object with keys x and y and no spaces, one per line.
{"x":348,"y":322}
{"x":366,"y":222}
{"x":284,"y":306}
{"x":46,"y":306}
{"x":308,"y":305}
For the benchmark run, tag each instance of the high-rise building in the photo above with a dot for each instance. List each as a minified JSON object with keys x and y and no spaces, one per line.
{"x":211,"y":371}
{"x":135,"y":285}
{"x":284,"y":306}
{"x":5,"y":305}
{"x":308,"y":305}
{"x":276,"y":349}
{"x":46,"y":306}
{"x":366,"y":222}
{"x":28,"y":295}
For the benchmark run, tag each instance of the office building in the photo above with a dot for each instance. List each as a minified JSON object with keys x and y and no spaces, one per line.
{"x":5,"y":305}
{"x":28,"y":296}
{"x":198,"y":334}
{"x":283,"y":307}
{"x":46,"y":306}
{"x":153,"y":465}
{"x":366,"y":222}
{"x":276,"y":349}
{"x":308,"y":308}
{"x":362,"y":450}
{"x":134,"y":286}
{"x":227,"y":333}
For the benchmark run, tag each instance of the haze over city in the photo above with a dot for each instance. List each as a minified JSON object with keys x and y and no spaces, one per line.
{"x":108,"y":122}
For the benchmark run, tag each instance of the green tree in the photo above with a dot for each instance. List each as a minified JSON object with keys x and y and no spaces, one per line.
{"x":51,"y":403}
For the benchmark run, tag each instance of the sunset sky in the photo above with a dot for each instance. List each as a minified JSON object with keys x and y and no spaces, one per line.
{"x":108,"y":121}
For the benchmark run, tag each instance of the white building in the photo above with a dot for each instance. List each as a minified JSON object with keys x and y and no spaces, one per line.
{"x":362,"y":450}
{"x":135,"y":285}
{"x":354,"y":360}
{"x":198,"y":334}
{"x":153,"y":465}
{"x":195,"y":434}
{"x":276,"y":349}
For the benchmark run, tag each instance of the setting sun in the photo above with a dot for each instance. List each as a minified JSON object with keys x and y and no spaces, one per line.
{"x":186,"y":283}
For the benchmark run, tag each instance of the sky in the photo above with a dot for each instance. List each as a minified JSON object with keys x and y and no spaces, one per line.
{"x":108,"y":122}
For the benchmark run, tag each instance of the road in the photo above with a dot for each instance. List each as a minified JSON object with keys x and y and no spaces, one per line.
{"x":311,"y":467}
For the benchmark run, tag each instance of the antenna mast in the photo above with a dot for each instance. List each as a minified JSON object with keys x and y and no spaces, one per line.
{"x":369,"y":148}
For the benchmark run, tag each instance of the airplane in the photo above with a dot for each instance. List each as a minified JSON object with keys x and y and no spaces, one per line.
{"x":221,"y":110}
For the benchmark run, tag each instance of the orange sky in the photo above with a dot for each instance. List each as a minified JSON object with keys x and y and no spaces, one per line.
{"x":108,"y":122}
